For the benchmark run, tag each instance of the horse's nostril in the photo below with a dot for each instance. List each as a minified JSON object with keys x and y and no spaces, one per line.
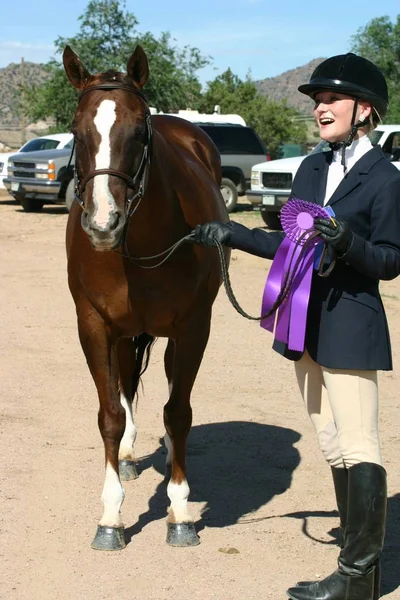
{"x":114,"y":220}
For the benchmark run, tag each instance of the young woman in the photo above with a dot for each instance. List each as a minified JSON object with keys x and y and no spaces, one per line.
{"x":347,"y":337}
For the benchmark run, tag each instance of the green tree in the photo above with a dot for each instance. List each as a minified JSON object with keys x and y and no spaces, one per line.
{"x":274,"y":121}
{"x":106,"y":39}
{"x":379,"y":41}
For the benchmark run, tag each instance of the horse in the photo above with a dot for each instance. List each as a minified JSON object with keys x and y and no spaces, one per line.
{"x":142,"y":183}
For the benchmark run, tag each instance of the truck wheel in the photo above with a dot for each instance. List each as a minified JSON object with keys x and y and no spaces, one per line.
{"x":31,"y":204}
{"x":70,"y":195}
{"x":229,"y":194}
{"x":271,"y":219}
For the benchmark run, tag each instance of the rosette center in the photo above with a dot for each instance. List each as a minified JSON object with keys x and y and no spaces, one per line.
{"x":305,"y":221}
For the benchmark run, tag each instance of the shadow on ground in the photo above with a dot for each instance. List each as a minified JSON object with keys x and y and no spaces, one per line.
{"x":233,"y":467}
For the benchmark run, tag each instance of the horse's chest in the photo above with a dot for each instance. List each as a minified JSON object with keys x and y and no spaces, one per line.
{"x":138,"y":306}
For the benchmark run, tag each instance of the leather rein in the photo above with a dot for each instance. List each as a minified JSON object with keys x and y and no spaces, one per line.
{"x":138,"y":181}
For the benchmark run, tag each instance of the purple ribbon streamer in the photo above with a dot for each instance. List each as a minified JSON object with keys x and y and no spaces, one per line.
{"x":291,"y":316}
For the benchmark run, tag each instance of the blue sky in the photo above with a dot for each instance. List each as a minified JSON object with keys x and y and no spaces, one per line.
{"x":266,"y":37}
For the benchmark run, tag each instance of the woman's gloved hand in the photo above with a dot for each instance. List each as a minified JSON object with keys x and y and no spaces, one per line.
{"x":205,"y":234}
{"x":336,"y":233}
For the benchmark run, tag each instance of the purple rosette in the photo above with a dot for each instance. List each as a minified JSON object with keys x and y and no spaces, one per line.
{"x":296,"y":262}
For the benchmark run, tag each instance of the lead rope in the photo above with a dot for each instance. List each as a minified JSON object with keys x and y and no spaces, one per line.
{"x":287,"y":281}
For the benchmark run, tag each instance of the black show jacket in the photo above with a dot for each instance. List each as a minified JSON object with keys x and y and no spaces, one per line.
{"x":346,"y":322}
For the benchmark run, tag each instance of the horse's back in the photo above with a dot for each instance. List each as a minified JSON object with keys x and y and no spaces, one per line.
{"x":189,"y":138}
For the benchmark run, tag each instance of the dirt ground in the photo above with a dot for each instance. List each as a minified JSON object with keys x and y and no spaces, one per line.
{"x":261,"y":493}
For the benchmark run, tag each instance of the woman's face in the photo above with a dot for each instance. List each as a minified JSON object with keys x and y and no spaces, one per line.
{"x":333,"y":112}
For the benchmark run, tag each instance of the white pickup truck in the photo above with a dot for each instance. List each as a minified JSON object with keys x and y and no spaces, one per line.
{"x":271,"y":181}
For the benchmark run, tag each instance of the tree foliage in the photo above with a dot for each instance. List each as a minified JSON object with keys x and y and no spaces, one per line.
{"x":106,"y":39}
{"x":275,"y":122}
{"x":379,"y":41}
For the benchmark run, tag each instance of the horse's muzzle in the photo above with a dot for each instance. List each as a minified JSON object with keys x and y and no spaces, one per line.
{"x":105,"y":237}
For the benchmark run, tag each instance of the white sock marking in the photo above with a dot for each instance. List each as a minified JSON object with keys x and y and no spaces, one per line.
{"x":103,"y":199}
{"x":113,"y":496}
{"x":178,"y":494}
{"x":126,"y":448}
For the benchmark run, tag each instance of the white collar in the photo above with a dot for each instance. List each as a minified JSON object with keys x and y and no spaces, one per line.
{"x":358,"y":148}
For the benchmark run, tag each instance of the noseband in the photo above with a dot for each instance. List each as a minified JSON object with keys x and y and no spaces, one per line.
{"x":141,"y":173}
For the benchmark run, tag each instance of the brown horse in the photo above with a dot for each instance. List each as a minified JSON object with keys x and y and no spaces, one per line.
{"x":143,"y":183}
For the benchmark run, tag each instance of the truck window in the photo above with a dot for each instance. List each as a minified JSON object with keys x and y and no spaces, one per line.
{"x":235,"y":139}
{"x":40,"y":144}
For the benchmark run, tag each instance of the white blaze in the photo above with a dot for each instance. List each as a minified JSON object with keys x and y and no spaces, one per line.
{"x":102,"y":198}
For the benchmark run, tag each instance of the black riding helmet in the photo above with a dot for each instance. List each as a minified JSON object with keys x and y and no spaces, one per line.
{"x":351,"y":75}
{"x":354,"y":76}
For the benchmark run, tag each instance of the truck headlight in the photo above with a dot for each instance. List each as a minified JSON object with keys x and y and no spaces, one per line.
{"x":255,"y":178}
{"x":47,"y":168}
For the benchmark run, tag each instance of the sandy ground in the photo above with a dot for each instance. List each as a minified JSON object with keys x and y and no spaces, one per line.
{"x":261,"y":493}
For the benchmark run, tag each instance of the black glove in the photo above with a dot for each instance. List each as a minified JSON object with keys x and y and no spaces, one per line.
{"x":336,"y":233}
{"x":205,"y":234}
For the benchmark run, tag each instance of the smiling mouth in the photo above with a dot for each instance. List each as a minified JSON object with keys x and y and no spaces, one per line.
{"x":326,"y":121}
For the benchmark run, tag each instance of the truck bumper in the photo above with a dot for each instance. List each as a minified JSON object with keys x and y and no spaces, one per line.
{"x":268,"y":201}
{"x":48,"y":190}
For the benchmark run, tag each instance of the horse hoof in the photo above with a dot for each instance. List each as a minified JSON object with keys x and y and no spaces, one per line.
{"x":109,"y":538}
{"x":182,"y":535}
{"x":127,"y":470}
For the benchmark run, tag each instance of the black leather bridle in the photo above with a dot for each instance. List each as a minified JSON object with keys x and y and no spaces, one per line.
{"x":136,"y":183}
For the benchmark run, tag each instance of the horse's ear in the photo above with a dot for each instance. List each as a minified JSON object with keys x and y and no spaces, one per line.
{"x":74,"y":68}
{"x":138,"y":67}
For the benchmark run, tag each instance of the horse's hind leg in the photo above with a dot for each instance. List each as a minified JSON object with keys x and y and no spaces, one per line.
{"x":189,"y":348}
{"x":168,"y":366}
{"x":131,"y":354}
{"x":126,"y":350}
{"x":101,"y":357}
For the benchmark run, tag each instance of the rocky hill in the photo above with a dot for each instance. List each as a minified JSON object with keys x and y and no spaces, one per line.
{"x":11,"y":78}
{"x":285,"y":86}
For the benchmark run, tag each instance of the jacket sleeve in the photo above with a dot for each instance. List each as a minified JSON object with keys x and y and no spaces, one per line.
{"x":255,"y":241}
{"x":379,"y":257}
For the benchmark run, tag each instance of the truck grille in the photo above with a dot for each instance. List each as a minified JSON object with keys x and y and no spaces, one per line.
{"x":23,"y":169}
{"x":23,"y":174}
{"x":24,"y":165}
{"x":277,"y":181}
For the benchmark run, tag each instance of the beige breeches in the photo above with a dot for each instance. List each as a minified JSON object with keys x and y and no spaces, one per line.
{"x":343,"y":406}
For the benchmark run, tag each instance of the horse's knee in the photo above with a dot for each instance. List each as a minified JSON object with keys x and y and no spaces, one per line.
{"x":177,"y":419}
{"x":112,"y":423}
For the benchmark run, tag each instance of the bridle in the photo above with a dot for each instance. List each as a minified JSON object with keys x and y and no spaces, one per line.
{"x":136,"y":183}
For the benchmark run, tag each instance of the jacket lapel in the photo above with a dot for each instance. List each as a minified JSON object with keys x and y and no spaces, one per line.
{"x":320,"y":175}
{"x":356,"y":174}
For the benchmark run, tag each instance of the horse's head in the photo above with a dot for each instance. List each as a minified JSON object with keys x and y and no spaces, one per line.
{"x":112,"y":131}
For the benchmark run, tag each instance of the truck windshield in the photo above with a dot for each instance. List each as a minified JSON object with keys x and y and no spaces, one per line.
{"x":40,"y":144}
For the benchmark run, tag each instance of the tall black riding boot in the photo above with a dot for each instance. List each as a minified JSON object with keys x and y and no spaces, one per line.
{"x":364,"y":537}
{"x":341,"y":484}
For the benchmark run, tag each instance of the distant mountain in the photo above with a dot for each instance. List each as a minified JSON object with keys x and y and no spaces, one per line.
{"x":285,"y":86}
{"x":10,"y":81}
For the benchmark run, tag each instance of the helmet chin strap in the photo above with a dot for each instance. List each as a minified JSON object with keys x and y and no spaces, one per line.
{"x":349,"y":140}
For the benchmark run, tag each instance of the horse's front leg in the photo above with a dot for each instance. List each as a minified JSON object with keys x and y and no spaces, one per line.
{"x":101,"y":357}
{"x":181,"y":368}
